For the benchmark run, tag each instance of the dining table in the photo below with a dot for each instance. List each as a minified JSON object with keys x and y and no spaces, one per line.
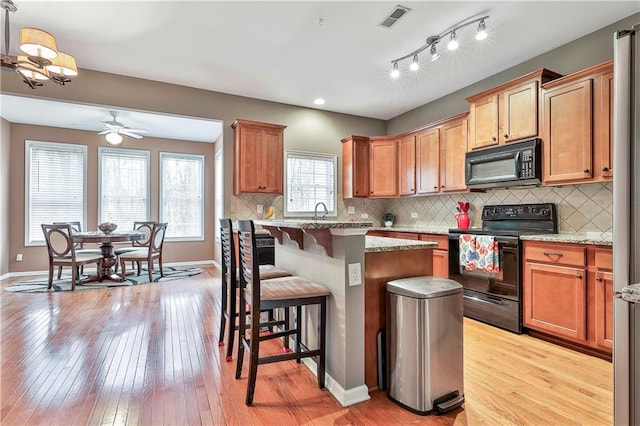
{"x":109,"y":259}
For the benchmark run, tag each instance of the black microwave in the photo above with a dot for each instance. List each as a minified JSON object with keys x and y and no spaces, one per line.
{"x":514,"y":164}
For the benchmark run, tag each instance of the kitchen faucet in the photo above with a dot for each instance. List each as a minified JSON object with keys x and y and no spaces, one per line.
{"x":315,"y":211}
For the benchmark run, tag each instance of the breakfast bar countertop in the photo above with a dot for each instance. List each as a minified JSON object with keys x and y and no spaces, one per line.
{"x":431,"y":229}
{"x":376,"y":244}
{"x":597,"y":238}
{"x":313,"y":224}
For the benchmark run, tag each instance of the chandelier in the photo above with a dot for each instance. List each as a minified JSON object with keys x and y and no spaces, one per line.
{"x":432,"y":43}
{"x":42,"y":60}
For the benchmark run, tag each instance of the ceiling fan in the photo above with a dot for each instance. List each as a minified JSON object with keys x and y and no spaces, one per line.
{"x":113,"y":129}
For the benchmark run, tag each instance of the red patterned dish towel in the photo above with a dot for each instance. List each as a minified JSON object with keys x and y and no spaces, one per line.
{"x":479,"y":252}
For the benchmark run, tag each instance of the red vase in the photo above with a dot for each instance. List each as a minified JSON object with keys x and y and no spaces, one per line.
{"x":463,"y":220}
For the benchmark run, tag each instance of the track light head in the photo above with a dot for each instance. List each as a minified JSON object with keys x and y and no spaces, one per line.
{"x":414,"y":64}
{"x":395,"y":72}
{"x":453,"y":42}
{"x":482,"y":31}
{"x":434,"y":53}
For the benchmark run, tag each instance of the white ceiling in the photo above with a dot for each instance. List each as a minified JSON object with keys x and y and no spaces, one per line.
{"x":279,"y":51}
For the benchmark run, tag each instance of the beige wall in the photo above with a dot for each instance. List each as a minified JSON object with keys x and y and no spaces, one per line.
{"x":5,"y":160}
{"x":35,"y":258}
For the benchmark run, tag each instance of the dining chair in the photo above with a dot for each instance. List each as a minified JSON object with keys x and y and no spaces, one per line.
{"x":76,"y":226}
{"x":230,"y":285}
{"x":146,"y":254}
{"x":62,"y":251}
{"x":287,"y":292}
{"x":141,"y":226}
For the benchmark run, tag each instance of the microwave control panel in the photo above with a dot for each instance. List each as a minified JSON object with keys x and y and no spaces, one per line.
{"x":527,"y":169}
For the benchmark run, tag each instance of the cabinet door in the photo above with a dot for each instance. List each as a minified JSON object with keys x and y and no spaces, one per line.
{"x":484,"y":122}
{"x":454,"y":146}
{"x":383,"y":175}
{"x":567,"y":132}
{"x":355,"y":168}
{"x":603,"y":128}
{"x":519,"y":112}
{"x":271,"y":161}
{"x":441,"y":263}
{"x":250,"y":164}
{"x":555,"y":300}
{"x":407,"y":165}
{"x":428,"y":161}
{"x":604,"y":309}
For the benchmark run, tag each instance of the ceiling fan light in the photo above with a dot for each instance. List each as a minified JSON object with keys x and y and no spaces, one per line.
{"x":482,"y":31}
{"x":113,"y":138}
{"x":39,"y":43}
{"x":395,"y":72}
{"x":453,"y":42}
{"x":64,"y":64}
{"x":414,"y":64}
{"x":29,"y":70}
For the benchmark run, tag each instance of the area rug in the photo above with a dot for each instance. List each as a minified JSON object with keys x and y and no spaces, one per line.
{"x":64,"y":283}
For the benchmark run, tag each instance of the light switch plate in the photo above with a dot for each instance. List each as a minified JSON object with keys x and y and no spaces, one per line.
{"x":351,"y":210}
{"x":355,"y":275}
{"x":259,"y":208}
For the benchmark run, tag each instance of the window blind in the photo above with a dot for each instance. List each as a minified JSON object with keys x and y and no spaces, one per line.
{"x":123,"y":186}
{"x":55,"y":186}
{"x":182,"y":195}
{"x":311,"y":178}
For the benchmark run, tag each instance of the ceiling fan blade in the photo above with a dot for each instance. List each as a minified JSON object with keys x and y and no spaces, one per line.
{"x":104,"y":132}
{"x":136,"y":130}
{"x":128,"y":133}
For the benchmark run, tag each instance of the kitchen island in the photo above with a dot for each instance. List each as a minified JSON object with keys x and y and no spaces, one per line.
{"x":355,"y":268}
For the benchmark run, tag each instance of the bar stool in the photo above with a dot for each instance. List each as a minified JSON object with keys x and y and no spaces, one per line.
{"x":286,"y":292}
{"x":230,"y":285}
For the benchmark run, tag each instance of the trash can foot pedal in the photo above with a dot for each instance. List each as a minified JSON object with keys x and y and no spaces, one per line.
{"x":448,"y":402}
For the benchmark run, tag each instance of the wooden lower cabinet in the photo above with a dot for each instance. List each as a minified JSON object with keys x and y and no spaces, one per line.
{"x":568,"y":292}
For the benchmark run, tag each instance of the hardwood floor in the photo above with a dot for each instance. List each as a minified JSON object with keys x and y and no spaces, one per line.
{"x":149,"y":355}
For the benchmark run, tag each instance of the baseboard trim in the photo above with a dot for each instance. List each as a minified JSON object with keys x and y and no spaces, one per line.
{"x":346,"y":397}
{"x":210,"y":262}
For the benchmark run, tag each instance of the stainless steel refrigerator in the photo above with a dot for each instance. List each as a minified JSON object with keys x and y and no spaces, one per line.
{"x":626,"y":224}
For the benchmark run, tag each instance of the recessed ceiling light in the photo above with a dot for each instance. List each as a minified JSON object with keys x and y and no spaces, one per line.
{"x":319,"y":101}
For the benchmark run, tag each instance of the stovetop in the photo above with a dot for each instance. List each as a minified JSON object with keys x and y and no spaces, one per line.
{"x":515,"y":220}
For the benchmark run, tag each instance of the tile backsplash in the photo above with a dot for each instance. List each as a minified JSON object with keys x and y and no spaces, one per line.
{"x":581,"y":208}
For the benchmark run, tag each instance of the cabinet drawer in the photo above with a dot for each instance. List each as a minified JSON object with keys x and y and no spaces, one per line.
{"x":442,"y":240}
{"x":404,"y":235}
{"x":561,"y":254}
{"x":604,"y":259}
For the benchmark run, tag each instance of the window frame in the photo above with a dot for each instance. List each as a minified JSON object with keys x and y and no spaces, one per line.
{"x":147,"y":154}
{"x":202,"y":158}
{"x":27,"y":184}
{"x":319,"y":156}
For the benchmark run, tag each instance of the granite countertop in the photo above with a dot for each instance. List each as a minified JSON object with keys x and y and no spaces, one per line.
{"x":631,"y":293}
{"x":443,"y":230}
{"x":375,"y":244}
{"x":313,"y":224}
{"x":598,"y":238}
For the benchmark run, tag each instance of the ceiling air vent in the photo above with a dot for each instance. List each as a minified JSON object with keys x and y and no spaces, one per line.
{"x":397,"y":13}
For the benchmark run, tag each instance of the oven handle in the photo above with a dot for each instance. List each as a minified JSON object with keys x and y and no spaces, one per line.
{"x":488,"y":302}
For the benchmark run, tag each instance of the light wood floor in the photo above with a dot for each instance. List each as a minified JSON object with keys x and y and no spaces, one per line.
{"x":150,"y":355}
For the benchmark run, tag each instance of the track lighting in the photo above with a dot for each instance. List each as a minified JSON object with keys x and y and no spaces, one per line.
{"x":414,"y":64}
{"x":453,"y":42}
{"x":432,"y":42}
{"x":395,"y":72}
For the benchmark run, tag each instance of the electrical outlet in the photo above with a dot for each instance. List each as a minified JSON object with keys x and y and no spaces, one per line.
{"x":351,"y":210}
{"x":259,"y":208}
{"x":19,"y":257}
{"x":355,"y":275}
{"x":414,"y":215}
{"x":364,"y":216}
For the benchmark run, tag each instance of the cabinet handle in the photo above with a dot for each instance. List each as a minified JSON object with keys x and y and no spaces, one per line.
{"x":605,"y":169}
{"x":553,"y":253}
{"x":357,"y":192}
{"x":579,"y":277}
{"x":598,"y":279}
{"x":506,"y":136}
{"x":493,"y":138}
{"x":411,"y":189}
{"x":442,"y":186}
{"x":435,"y":187}
{"x":586,"y":170}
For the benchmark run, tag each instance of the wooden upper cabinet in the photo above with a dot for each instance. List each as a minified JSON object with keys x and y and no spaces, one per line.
{"x":407,"y":165}
{"x":428,"y":161}
{"x":257,"y":157}
{"x":452,"y":150}
{"x":355,"y":167}
{"x":508,"y":112}
{"x":383,"y":168}
{"x":576,"y":127}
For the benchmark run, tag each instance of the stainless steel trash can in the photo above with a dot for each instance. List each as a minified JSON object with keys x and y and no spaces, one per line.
{"x":424,"y":344}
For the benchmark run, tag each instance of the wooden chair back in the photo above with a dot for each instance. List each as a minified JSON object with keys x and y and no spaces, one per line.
{"x":249,"y":265}
{"x":59,"y":240}
{"x":147,"y":229}
{"x":228,"y":250}
{"x":156,"y":239}
{"x":76,"y":226}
